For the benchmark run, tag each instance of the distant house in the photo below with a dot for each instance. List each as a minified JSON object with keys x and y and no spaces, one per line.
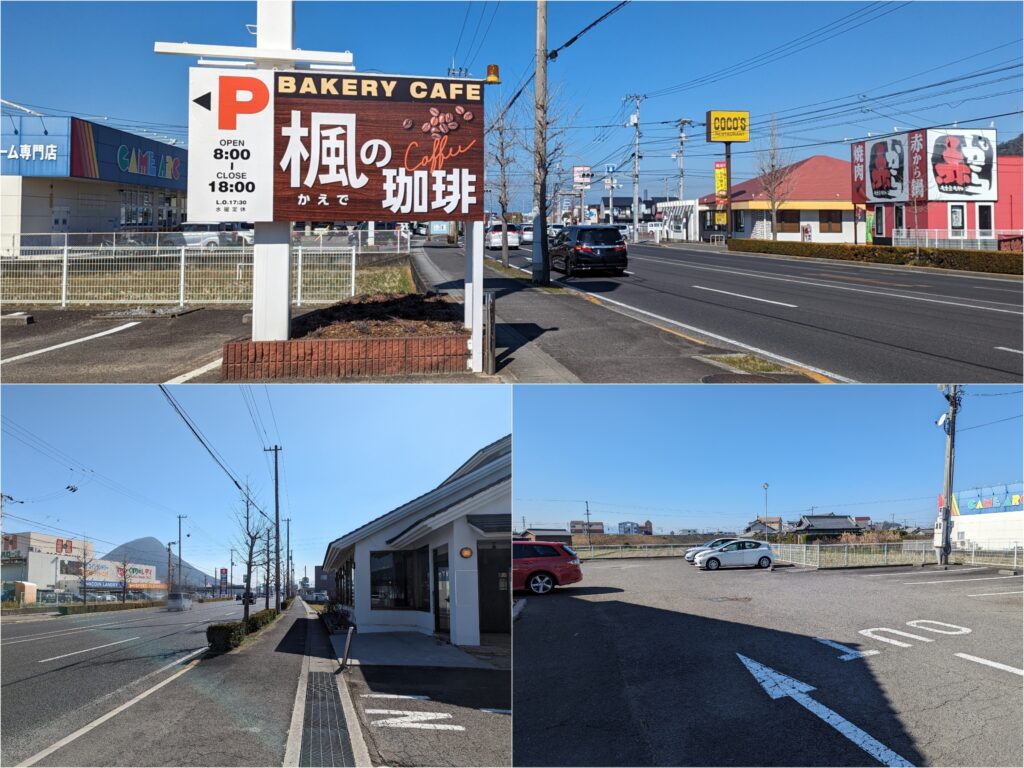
{"x":637,"y":529}
{"x":581,"y":526}
{"x":863,"y":522}
{"x":547,"y":534}
{"x":826,"y":526}
{"x":762,"y":525}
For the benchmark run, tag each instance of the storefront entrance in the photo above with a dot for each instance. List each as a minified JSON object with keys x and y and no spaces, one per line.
{"x":442,"y":592}
{"x":494,"y":565}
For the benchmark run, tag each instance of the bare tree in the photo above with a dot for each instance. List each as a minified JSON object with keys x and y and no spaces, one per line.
{"x":775,"y":173}
{"x":124,"y":576}
{"x":251,"y":533}
{"x":503,"y":158}
{"x":85,"y":564}
{"x":560,"y":121}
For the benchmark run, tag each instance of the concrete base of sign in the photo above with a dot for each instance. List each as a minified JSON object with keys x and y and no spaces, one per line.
{"x":474,"y":293}
{"x":271,"y":282}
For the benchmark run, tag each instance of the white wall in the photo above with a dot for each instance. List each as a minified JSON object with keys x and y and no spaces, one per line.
{"x":998,"y":530}
{"x":10,"y":205}
{"x":757,"y":224}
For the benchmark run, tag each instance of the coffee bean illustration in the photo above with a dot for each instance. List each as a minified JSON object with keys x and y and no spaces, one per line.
{"x":459,"y":109}
{"x":467,"y":116}
{"x":435,"y":111}
{"x":442,"y":128}
{"x":407,"y":123}
{"x":453,"y":126}
{"x":426,"y":127}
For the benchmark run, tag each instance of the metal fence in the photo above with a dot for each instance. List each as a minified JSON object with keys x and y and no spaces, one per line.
{"x":894,"y":553}
{"x":617,"y":551}
{"x":970,"y":239}
{"x":165,"y":275}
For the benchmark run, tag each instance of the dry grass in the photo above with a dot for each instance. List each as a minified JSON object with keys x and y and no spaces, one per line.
{"x":749,"y":363}
{"x":383,"y":315}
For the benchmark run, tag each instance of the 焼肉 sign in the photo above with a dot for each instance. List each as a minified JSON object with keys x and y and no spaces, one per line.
{"x":300,"y":146}
{"x":727,"y":126}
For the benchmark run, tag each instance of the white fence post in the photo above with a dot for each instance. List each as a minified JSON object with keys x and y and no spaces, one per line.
{"x":64,"y":274}
{"x":846,"y":555}
{"x":298,"y":279}
{"x":181,"y":278}
{"x":352,"y":290}
{"x":885,"y":554}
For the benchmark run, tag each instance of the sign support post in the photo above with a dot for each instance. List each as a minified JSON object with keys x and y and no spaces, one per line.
{"x":474,"y":293}
{"x":728,"y":190}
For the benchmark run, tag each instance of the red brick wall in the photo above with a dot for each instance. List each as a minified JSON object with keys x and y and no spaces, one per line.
{"x":343,"y":358}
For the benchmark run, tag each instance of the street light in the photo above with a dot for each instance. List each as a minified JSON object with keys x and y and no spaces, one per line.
{"x":765,"y":486}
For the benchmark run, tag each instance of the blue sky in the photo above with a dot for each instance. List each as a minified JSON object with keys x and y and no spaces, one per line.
{"x":97,"y":59}
{"x":351,"y":453}
{"x":696,"y":457}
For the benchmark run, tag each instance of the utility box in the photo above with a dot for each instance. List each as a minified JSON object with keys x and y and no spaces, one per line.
{"x":25,"y":592}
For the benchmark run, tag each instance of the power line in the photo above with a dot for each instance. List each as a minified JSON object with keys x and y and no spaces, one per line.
{"x":988,"y":423}
{"x":469,"y":64}
{"x":462,"y":29}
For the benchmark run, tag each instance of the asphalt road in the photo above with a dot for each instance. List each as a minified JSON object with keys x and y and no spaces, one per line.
{"x":639,"y":665}
{"x":870,"y":323}
{"x":60,"y":674}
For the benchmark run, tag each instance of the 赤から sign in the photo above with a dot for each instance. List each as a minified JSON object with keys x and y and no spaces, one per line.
{"x":300,"y":146}
{"x":727,"y":126}
{"x":363,"y":147}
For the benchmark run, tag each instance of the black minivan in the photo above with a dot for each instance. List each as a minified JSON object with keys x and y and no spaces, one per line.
{"x":579,"y":248}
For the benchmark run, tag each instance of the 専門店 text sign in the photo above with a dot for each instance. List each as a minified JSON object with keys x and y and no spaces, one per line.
{"x":300,"y":146}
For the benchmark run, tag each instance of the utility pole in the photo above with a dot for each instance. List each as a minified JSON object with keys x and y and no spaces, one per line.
{"x":180,"y":518}
{"x":588,"y":523}
{"x":231,"y":578}
{"x":266,"y":583}
{"x":541,"y":266}
{"x":682,"y":166}
{"x":765,"y":486}
{"x":953,"y":397}
{"x":277,"y":533}
{"x":288,"y":548}
{"x":170,"y":576}
{"x":635,"y":120}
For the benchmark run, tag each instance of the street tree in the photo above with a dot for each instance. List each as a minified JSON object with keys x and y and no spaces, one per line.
{"x":775,"y":173}
{"x":85,"y":565}
{"x":124,"y":576}
{"x":560,"y":119}
{"x":503,"y":157}
{"x":251,"y":534}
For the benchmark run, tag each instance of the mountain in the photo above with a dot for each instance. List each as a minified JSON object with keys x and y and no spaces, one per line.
{"x":1012,"y":147}
{"x":149,"y":551}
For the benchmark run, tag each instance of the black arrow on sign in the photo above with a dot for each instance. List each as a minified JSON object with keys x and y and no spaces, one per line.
{"x":203,"y":101}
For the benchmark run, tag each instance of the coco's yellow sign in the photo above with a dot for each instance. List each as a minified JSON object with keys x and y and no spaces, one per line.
{"x":728,"y":126}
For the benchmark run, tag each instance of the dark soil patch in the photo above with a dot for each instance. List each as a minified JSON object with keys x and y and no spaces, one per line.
{"x":383,"y":315}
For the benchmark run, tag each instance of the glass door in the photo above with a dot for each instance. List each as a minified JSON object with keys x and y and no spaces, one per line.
{"x":442,"y":593}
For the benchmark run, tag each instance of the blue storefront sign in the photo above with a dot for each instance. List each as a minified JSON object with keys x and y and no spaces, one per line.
{"x":36,"y":146}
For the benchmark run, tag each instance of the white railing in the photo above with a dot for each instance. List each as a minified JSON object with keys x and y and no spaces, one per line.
{"x":972,"y":239}
{"x":892,"y":553}
{"x":165,"y":275}
{"x":379,"y":241}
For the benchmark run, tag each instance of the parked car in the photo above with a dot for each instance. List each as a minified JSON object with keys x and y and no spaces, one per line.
{"x":248,"y":598}
{"x":692,"y":552}
{"x":740,"y":553}
{"x":554,"y":230}
{"x":540,"y":566}
{"x":596,"y":247}
{"x":526,"y":237}
{"x":492,"y":239}
{"x":422,"y":229}
{"x":206,"y":234}
{"x":179,"y":601}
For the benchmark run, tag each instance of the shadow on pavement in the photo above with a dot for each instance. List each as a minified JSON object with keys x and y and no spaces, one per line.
{"x":470,"y":688}
{"x":605,"y":682}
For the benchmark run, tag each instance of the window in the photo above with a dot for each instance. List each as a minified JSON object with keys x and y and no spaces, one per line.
{"x":879,"y":221}
{"x":599,"y":236}
{"x":737,"y":221}
{"x":830,"y":221}
{"x":898,"y":217}
{"x":984,"y":212}
{"x":957,"y":223}
{"x":400,"y":580}
{"x":789,"y":221}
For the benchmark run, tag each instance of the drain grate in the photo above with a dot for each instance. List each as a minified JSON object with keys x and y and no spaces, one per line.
{"x":324,"y":732}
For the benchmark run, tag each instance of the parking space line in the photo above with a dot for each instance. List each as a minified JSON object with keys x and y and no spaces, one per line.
{"x":197,"y":372}
{"x":996,"y":664}
{"x":936,"y":573}
{"x":1007,"y":349}
{"x":742,"y":296}
{"x":86,"y":650}
{"x":990,"y":594}
{"x":394,"y":696}
{"x":107,"y":332}
{"x":493,"y":711}
{"x":950,"y":581}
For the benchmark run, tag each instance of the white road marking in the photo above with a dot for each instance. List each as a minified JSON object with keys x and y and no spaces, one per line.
{"x":996,"y":664}
{"x":197,"y":372}
{"x":956,"y":628}
{"x":491,"y":711}
{"x":1007,"y":349}
{"x":717,"y":337}
{"x":404,"y":719}
{"x":949,"y":581}
{"x":742,"y":296}
{"x":989,"y":594}
{"x":86,"y":650}
{"x":62,"y":632}
{"x":869,"y":633}
{"x":100,"y":720}
{"x":394,"y":696}
{"x":963,"y":303}
{"x":107,"y":332}
{"x":778,"y":685}
{"x":848,"y":653}
{"x":903,"y":573}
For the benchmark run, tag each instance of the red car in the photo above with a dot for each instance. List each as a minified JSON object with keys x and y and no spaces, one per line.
{"x":540,"y":566}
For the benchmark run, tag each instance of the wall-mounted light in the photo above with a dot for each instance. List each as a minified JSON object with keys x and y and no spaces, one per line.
{"x":466,"y":552}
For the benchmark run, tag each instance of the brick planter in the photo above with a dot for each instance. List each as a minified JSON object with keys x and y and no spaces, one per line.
{"x":344,"y":358}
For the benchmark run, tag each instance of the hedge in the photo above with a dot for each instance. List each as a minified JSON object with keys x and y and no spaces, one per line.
{"x":286,"y":603}
{"x":260,"y":619}
{"x":224,"y":637}
{"x":66,"y":610}
{"x":1003,"y":262}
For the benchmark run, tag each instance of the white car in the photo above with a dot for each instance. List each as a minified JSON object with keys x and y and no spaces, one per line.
{"x":692,"y":552}
{"x":527,"y":234}
{"x":741,"y":553}
{"x":179,"y":601}
{"x":493,"y":237}
{"x":554,"y":230}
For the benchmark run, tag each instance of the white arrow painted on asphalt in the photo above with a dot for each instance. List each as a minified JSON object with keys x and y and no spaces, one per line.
{"x":848,"y":653}
{"x":405,"y":719}
{"x":778,"y":685}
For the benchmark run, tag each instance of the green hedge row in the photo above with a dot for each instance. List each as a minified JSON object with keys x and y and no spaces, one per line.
{"x":286,"y":603}
{"x":224,"y":637}
{"x":260,"y":619}
{"x":66,"y":610}
{"x":1002,"y":262}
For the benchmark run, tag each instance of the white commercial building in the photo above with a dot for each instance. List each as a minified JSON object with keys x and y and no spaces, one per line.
{"x":439,"y":564}
{"x":988,"y":530}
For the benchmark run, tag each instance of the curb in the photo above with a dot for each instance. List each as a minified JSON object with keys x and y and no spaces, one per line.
{"x":517,"y":608}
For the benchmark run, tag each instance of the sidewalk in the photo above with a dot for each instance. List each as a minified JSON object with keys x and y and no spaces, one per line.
{"x":554,"y":335}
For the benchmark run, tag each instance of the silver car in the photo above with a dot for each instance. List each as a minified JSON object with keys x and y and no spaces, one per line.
{"x":741,"y":553}
{"x":692,"y":552}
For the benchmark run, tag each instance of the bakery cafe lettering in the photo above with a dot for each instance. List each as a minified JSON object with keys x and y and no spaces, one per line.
{"x":356,"y":148}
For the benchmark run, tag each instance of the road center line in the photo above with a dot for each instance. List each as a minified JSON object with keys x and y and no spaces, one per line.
{"x":86,"y":650}
{"x":52,"y":635}
{"x":742,"y":296}
{"x":107,"y":332}
{"x":102,"y":719}
{"x":1007,"y":349}
{"x":965,"y":303}
{"x":996,"y":664}
{"x":948,"y":581}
